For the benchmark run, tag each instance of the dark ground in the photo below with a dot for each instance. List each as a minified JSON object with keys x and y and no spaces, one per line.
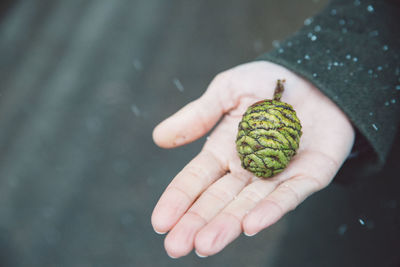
{"x":82,"y":84}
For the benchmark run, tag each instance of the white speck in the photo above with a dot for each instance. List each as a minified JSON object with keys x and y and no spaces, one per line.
{"x":328,"y":51}
{"x":275,"y":43}
{"x":370,"y":72}
{"x":379,"y":68}
{"x":137,"y":64}
{"x":371,"y":113}
{"x":361,"y":221}
{"x":341,"y":64}
{"x":135,"y":110}
{"x":307,"y":57}
{"x":335,"y":64}
{"x":342,"y":229}
{"x":397,"y":87}
{"x":344,"y":30}
{"x":280,"y":50}
{"x":373,"y":33}
{"x":178,"y":84}
{"x":370,"y":9}
{"x":308,"y":21}
{"x":299,"y":61}
{"x":393,"y":101}
{"x":314,"y":74}
{"x":333,"y":12}
{"x":351,"y":73}
{"x":385,"y":48}
{"x":208,"y":138}
{"x":310,"y":34}
{"x":357,"y":2}
{"x":348,"y":56}
{"x":375,"y":127}
{"x":289,"y":44}
{"x":329,"y":67}
{"x":317,"y":28}
{"x":313,"y":38}
{"x":342,"y":22}
{"x":355,"y":59}
{"x":387,"y":103}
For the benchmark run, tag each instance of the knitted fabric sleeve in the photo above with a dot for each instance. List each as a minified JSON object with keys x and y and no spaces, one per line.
{"x":350,"y":51}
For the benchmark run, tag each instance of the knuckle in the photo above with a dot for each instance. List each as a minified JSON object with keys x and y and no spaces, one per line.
{"x":243,"y":179}
{"x":293,"y":194}
{"x":280,"y":209}
{"x":197,"y":215}
{"x":232,"y":215}
{"x":195,"y":172}
{"x":251,"y":195}
{"x":222,"y":76}
{"x":316,"y":184}
{"x":220,"y":194}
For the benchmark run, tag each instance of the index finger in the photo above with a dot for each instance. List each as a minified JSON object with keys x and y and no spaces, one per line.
{"x":196,"y":118}
{"x":194,"y":178}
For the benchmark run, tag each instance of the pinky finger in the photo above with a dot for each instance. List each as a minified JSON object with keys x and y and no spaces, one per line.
{"x":286,"y":197}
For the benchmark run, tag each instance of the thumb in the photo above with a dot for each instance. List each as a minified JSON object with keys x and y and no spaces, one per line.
{"x":195,"y":119}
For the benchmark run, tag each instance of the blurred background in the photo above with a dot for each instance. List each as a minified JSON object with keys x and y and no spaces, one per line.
{"x":83,"y":83}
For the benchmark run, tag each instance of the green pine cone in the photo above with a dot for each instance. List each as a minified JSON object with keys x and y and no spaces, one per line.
{"x":268,"y":136}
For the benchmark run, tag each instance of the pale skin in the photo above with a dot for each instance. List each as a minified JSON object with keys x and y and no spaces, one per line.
{"x":212,"y":200}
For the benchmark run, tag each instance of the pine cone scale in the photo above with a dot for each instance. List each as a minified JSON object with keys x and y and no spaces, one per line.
{"x":268,"y":137}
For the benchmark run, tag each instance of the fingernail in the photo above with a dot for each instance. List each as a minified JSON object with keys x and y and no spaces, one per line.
{"x":199,"y":255}
{"x":172,"y":257}
{"x":246,"y":234}
{"x":160,"y":233}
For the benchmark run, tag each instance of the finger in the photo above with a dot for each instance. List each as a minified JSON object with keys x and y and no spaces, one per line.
{"x":310,"y":172}
{"x":180,"y":239}
{"x":196,"y":118}
{"x":283,"y":199}
{"x":226,"y":226}
{"x":202,"y":171}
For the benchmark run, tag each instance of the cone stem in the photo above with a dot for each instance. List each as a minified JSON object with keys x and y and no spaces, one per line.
{"x":279,"y":90}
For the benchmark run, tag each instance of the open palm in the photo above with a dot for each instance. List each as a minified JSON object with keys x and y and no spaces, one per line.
{"x":213,"y":199}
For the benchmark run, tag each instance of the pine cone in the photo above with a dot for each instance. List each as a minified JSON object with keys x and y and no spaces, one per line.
{"x":269,"y":136}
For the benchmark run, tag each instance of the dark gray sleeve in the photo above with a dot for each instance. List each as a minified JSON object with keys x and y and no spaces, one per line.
{"x":350,"y":51}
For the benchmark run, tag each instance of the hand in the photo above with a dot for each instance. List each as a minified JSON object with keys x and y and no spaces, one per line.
{"x":213,"y":199}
